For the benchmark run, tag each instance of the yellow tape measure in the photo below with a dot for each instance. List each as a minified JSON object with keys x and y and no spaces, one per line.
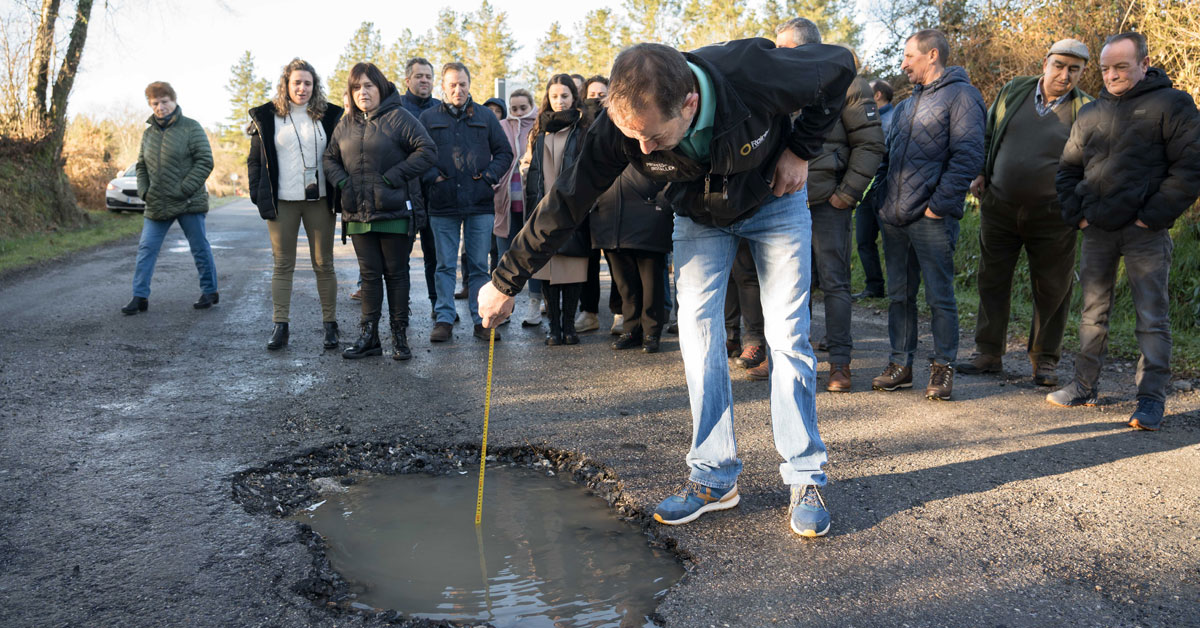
{"x":487,"y":408}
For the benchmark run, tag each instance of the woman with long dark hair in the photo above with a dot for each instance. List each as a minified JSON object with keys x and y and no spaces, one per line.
{"x":376,"y":157}
{"x":555,"y":141}
{"x":288,"y":137}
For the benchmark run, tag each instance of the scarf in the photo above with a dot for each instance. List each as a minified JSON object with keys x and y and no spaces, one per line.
{"x":554,"y":121}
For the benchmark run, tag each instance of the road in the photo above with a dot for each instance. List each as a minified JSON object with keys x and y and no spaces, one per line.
{"x":121,"y":437}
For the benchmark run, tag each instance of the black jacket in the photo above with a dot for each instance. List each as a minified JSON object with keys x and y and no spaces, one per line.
{"x":473,"y":155}
{"x":629,"y":215}
{"x":262,"y":164}
{"x":1133,"y":156}
{"x":376,"y":160}
{"x":417,"y":105}
{"x":579,"y":244}
{"x":753,"y":126}
{"x":852,"y":149}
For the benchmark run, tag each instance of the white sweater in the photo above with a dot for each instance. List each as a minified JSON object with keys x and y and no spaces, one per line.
{"x":293,"y":154}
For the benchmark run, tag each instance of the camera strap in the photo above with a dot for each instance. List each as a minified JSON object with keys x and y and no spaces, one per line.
{"x":316,"y":157}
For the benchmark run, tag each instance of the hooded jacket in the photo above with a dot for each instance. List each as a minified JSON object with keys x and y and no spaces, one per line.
{"x":262,"y":164}
{"x":376,"y":160}
{"x":852,"y":150}
{"x":935,"y":150}
{"x":1132,"y":157}
{"x":473,"y":155}
{"x":173,"y":163}
{"x":751,"y":129}
{"x":517,"y":131}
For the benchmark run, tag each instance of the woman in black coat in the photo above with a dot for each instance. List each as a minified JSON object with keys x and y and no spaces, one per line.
{"x":555,"y":141}
{"x":376,"y":157}
{"x":288,"y":136}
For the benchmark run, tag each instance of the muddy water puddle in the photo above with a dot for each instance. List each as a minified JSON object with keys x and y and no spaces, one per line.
{"x":547,"y":553}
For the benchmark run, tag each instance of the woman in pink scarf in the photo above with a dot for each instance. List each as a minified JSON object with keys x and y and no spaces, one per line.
{"x":510,"y":193}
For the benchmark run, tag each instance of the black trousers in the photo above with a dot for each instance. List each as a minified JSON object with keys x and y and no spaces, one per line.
{"x":429,"y":254}
{"x":639,"y":278}
{"x":743,"y":303}
{"x":383,"y":259}
{"x":589,"y":298}
{"x":562,"y":300}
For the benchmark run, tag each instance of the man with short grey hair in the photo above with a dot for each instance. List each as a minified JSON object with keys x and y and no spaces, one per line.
{"x":1026,"y":130}
{"x":418,"y":79}
{"x":1130,"y":168}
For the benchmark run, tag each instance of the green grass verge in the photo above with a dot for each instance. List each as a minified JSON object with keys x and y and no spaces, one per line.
{"x":1122,"y":344}
{"x":102,"y":228}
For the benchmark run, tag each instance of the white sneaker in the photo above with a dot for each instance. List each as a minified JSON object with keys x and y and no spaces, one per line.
{"x":533,"y":313}
{"x":587,"y":321}
{"x":618,"y":326}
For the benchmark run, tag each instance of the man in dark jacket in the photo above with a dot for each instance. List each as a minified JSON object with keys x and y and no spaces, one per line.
{"x":1027,"y":128}
{"x":1130,"y":168}
{"x":418,"y":97}
{"x":837,"y":179}
{"x":935,"y":149}
{"x":473,"y":154}
{"x":723,"y":139}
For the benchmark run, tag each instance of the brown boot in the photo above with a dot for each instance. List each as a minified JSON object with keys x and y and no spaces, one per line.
{"x":760,"y":372}
{"x":894,"y":377}
{"x":839,"y":378}
{"x":1044,"y":374}
{"x":941,"y":382}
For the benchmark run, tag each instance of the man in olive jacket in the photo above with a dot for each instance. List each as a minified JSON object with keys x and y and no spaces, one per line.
{"x":837,"y":179}
{"x":716,"y":125}
{"x":1026,"y":130}
{"x":1130,"y":168}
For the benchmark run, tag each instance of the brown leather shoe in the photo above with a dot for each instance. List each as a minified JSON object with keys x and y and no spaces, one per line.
{"x":839,"y":378}
{"x":760,"y":372}
{"x":980,"y":363}
{"x":441,"y":332}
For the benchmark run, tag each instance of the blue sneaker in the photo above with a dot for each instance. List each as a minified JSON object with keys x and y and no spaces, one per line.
{"x":1148,"y":416}
{"x":808,"y":514}
{"x":1072,"y":395}
{"x":694,"y":500}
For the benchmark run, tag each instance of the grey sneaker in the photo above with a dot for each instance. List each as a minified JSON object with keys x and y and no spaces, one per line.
{"x":980,"y":363}
{"x":1071,"y":395}
{"x":587,"y":321}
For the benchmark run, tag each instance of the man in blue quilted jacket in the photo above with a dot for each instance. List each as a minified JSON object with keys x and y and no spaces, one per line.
{"x":935,"y":149}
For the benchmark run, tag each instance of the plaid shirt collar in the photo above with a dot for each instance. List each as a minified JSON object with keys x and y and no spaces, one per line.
{"x":1044,"y":108}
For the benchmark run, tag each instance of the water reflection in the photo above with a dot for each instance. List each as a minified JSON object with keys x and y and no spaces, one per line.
{"x":547,"y":554}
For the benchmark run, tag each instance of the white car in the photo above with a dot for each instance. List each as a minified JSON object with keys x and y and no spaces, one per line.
{"x":121,"y":193}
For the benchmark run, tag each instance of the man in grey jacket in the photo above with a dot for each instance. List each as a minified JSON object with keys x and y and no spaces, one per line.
{"x":837,"y":179}
{"x":1130,"y":168}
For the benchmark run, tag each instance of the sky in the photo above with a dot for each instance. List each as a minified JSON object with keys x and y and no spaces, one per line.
{"x":193,"y":44}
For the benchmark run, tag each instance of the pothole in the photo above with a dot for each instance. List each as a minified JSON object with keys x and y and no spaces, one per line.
{"x":391,"y":529}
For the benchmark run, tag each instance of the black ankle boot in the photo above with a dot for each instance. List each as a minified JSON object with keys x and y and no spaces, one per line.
{"x":400,"y":349}
{"x":207,"y":300}
{"x":279,"y":337}
{"x":138,"y":304}
{"x":367,"y":343}
{"x":332,"y":337}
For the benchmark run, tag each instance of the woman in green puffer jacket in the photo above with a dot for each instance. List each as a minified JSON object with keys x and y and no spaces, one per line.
{"x":173,"y":163}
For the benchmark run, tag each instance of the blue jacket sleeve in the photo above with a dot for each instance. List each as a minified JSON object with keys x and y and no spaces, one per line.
{"x":965,"y":162}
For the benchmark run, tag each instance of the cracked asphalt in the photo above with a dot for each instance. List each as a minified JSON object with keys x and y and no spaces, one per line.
{"x":119,"y":438}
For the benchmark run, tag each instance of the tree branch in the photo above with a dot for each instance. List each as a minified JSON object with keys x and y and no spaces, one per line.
{"x":39,"y":61}
{"x":70,"y":63}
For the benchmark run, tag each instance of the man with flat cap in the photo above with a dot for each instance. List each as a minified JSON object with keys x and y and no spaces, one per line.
{"x":1026,"y":130}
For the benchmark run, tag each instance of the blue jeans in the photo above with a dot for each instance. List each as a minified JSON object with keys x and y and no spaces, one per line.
{"x":153,"y":232}
{"x":923,"y":250}
{"x":477,"y":242}
{"x":779,"y":236}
